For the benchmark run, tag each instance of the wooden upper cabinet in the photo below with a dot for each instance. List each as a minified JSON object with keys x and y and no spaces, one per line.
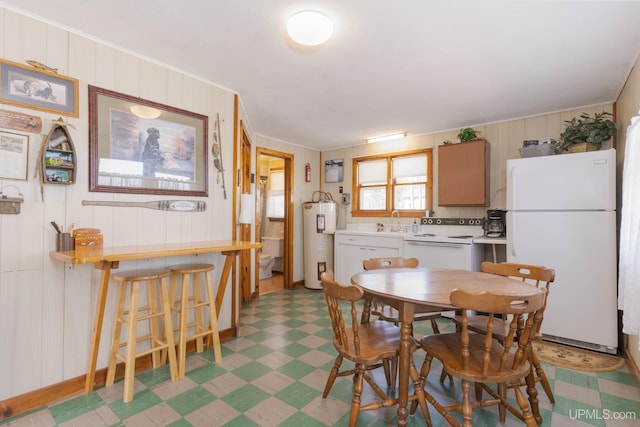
{"x":462,"y":174}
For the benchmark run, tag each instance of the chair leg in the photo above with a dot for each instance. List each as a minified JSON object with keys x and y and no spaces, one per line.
{"x":394,"y":373}
{"x":168,"y":332}
{"x":541,"y":376}
{"x":528,"y":418}
{"x":130,"y":365}
{"x":332,"y":376}
{"x":117,"y":329}
{"x":182,"y":340}
{"x":386,"y":366}
{"x":358,"y":386}
{"x":502,"y":391}
{"x":213,"y":319}
{"x":478,"y":388}
{"x":418,"y":387}
{"x":533,"y":394}
{"x":154,"y":327}
{"x":466,"y":408}
{"x":434,"y":326}
{"x":422,"y":378}
{"x":197,"y":312}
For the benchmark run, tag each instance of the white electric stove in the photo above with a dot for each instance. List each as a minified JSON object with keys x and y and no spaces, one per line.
{"x":446,"y":243}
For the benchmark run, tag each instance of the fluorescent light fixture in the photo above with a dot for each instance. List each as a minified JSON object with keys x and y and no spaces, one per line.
{"x":390,"y":137}
{"x":145,"y":112}
{"x":309,"y":27}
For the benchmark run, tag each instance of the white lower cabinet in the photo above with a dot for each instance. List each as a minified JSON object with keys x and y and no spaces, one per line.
{"x":351,"y":249}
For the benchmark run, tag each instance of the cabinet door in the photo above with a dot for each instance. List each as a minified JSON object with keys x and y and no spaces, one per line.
{"x":348,"y":261}
{"x":351,"y":251}
{"x":462,"y":174}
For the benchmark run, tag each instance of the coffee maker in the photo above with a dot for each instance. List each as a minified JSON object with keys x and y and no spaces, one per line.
{"x":496,"y":223}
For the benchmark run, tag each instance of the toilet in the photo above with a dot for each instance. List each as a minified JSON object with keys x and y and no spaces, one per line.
{"x":272,"y":250}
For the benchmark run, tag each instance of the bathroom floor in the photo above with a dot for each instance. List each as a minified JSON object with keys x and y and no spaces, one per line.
{"x":272,"y":284}
{"x":274,"y":372}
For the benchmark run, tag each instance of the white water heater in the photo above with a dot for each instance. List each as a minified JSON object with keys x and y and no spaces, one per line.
{"x":319,"y":227}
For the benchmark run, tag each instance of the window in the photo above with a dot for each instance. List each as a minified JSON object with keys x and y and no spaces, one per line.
{"x":401,"y":181}
{"x":275,"y":195}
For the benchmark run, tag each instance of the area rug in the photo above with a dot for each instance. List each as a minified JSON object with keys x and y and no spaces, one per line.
{"x":576,"y":358}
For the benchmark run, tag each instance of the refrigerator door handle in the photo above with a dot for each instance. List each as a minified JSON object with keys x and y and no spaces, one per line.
{"x":511,"y":193}
{"x":511,"y":241}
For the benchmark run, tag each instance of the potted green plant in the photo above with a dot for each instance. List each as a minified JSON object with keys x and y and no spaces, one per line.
{"x":467,"y":134}
{"x":586,"y":133}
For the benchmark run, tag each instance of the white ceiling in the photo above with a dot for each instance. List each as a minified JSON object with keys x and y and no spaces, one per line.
{"x":408,"y":65}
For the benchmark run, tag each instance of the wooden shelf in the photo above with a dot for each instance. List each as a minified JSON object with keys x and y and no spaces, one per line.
{"x":58,"y":157}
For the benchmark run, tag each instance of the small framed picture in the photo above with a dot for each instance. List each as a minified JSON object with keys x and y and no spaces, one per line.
{"x":29,"y":87}
{"x":333,"y":170}
{"x":14,"y":152}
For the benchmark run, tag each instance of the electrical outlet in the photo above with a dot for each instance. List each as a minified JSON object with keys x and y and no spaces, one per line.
{"x":346,"y":199}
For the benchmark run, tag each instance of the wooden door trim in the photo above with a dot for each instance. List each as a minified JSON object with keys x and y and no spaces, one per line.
{"x":289,"y":214}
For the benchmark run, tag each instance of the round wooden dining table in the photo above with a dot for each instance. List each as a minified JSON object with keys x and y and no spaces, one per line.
{"x":425,"y":289}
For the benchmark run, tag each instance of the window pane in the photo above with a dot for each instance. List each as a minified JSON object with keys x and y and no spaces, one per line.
{"x":372,"y":172}
{"x":276,"y":180}
{"x":373,"y":198}
{"x":411,"y":197}
{"x":407,"y":169}
{"x":275,"y":204}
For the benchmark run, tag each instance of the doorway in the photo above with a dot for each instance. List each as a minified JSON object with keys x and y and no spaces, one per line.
{"x":274,"y":220}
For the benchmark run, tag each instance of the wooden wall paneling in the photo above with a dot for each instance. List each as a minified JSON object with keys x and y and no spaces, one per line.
{"x":127,"y":73}
{"x":21,"y":369}
{"x":105,"y":71}
{"x":24,"y":37}
{"x":535,"y":128}
{"x":516,"y":133}
{"x":3,"y":31}
{"x":56,"y":50}
{"x":153,"y":83}
{"x":77,"y":317}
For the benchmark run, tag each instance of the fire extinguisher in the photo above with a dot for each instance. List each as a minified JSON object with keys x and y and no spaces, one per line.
{"x":307,"y":172}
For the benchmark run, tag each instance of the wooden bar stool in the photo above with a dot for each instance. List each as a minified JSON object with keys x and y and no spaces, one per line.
{"x":191,"y":299}
{"x":159,"y":342}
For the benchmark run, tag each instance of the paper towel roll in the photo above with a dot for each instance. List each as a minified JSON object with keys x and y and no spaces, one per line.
{"x":247,"y":209}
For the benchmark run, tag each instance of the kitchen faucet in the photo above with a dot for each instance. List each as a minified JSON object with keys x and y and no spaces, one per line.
{"x":397,"y":226}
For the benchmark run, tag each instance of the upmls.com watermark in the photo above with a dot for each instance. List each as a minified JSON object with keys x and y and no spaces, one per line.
{"x":601,"y":414}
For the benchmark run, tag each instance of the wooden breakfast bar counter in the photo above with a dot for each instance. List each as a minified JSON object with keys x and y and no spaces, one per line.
{"x":108,"y":258}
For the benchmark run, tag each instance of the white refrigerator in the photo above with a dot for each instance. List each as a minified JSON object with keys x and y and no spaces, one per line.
{"x":561,"y":214}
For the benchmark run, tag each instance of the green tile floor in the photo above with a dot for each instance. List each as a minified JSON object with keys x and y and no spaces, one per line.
{"x":274,"y":372}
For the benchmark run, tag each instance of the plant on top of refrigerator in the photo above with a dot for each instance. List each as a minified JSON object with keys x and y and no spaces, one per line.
{"x":592,"y":130}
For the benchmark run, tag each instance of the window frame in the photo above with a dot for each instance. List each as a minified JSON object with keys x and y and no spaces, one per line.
{"x":390,"y":186}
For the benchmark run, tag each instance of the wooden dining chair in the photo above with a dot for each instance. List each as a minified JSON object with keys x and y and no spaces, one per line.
{"x":478,"y":358}
{"x":541,"y":278}
{"x":366,"y":345}
{"x":386,"y":312}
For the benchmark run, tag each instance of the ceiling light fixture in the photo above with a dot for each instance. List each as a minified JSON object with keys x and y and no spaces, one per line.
{"x":383,"y":138}
{"x":145,"y":112}
{"x":309,"y":27}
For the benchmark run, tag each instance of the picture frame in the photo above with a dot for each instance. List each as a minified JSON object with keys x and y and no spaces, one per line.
{"x":333,"y":170}
{"x":143,"y":147}
{"x":30,"y":87}
{"x":14,"y":155}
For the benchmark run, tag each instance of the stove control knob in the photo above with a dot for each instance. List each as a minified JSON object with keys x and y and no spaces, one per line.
{"x":438,"y":221}
{"x":461,"y":222}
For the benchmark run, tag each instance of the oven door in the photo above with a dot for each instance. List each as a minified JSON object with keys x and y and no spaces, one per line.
{"x":433,"y":254}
